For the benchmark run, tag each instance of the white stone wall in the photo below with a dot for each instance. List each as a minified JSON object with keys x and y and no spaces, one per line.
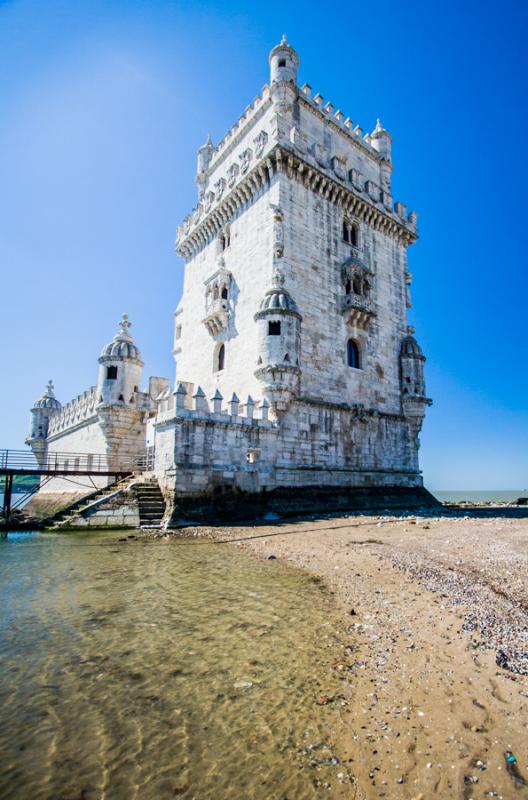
{"x":87,"y":437}
{"x":249,"y":260}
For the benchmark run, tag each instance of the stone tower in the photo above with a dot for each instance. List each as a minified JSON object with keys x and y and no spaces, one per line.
{"x":291,"y":337}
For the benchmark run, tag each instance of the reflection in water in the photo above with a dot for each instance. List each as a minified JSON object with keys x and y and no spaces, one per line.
{"x":156,"y":669}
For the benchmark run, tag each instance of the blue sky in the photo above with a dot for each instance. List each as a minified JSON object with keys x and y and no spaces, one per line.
{"x":103,"y":107}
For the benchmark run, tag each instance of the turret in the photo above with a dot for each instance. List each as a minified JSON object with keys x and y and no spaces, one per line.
{"x":205,"y":153}
{"x":120,"y":369}
{"x":279,"y":345}
{"x":414,"y":399}
{"x":42,"y":410}
{"x":284,"y":63}
{"x":381,"y":140}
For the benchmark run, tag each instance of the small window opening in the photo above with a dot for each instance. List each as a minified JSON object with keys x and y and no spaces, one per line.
{"x":286,"y":357}
{"x":111,"y":373}
{"x":121,"y":398}
{"x":224,"y":293}
{"x":354,"y":235}
{"x":348,"y":287}
{"x":220,"y":358}
{"x":345,"y":231}
{"x":274,"y":328}
{"x":357,"y":285}
{"x":131,"y":400}
{"x":353,"y":354}
{"x":136,"y":389}
{"x":282,"y":62}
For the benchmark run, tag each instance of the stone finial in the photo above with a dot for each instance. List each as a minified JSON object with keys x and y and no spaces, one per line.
{"x":180,"y":395}
{"x":200,"y":402}
{"x":410,"y":330}
{"x":124,"y":324}
{"x":216,"y":400}
{"x":264,"y":409}
{"x":284,"y":40}
{"x":49,"y":390}
{"x":233,"y":405}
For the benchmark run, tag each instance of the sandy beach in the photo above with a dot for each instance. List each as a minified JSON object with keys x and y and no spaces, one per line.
{"x":435,"y":640}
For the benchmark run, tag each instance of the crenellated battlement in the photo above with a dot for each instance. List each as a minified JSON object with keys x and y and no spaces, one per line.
{"x":78,"y":410}
{"x":186,"y":403}
{"x":238,"y":130}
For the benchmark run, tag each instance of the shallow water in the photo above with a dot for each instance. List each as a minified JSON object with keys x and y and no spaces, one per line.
{"x":153,"y":669}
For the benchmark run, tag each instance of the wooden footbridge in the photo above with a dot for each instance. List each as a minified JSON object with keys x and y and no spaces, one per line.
{"x":57,"y":465}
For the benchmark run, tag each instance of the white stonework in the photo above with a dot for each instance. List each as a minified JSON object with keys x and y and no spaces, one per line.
{"x":296,"y":222}
{"x":295,"y":367}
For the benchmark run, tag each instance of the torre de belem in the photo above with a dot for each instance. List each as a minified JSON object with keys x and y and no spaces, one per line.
{"x":297,"y":375}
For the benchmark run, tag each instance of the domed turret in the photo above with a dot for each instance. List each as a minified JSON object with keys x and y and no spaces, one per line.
{"x":414,"y":400}
{"x":43,"y":408}
{"x":205,"y":153}
{"x":284,"y":63}
{"x":279,"y":345}
{"x":412,"y":360}
{"x":120,"y":368}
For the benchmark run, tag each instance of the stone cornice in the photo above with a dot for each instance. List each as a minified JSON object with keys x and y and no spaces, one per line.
{"x":285,"y":160}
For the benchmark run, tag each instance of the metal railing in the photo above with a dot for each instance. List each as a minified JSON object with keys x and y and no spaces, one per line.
{"x":25,"y":461}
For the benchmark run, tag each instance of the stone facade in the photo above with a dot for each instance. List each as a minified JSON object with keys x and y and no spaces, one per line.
{"x":295,"y":366}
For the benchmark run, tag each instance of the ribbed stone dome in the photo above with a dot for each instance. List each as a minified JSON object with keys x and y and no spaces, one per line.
{"x":410,"y":347}
{"x":278,"y":299}
{"x":122,"y":345}
{"x":48,"y":399}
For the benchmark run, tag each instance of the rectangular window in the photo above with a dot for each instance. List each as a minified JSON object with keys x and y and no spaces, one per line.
{"x":274,"y":328}
{"x":111,"y":373}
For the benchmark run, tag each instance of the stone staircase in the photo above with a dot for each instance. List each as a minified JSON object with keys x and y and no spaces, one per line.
{"x":151,"y":503}
{"x":64,"y":517}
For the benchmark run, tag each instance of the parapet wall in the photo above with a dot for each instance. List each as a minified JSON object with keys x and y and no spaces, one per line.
{"x":73,"y":413}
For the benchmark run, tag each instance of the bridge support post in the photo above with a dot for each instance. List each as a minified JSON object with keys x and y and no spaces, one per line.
{"x":8,"y":494}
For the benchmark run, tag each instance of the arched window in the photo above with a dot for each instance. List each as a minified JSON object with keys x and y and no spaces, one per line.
{"x":220,"y":358}
{"x":354,"y":235}
{"x":345,"y":231}
{"x":224,"y":293}
{"x":111,"y":373}
{"x":353,"y":359}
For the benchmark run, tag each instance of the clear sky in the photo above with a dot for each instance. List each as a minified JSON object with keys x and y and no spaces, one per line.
{"x":103,"y":105}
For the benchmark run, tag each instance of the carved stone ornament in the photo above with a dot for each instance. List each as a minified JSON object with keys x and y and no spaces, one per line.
{"x":232,"y":175}
{"x":278,"y":231}
{"x":187,"y":224}
{"x":298,"y":139}
{"x":245,"y":159}
{"x":260,"y":142}
{"x":339,"y":167}
{"x":208,"y":201}
{"x":198,"y":213}
{"x":220,"y":188}
{"x":321,"y":154}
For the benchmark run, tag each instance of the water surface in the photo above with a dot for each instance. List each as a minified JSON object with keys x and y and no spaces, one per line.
{"x":155,"y":669}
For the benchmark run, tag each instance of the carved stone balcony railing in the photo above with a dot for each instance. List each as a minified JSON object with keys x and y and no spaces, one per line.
{"x":216,"y":315}
{"x":358,"y":310}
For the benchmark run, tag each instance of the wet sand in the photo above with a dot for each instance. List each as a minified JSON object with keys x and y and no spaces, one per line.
{"x":432,"y":610}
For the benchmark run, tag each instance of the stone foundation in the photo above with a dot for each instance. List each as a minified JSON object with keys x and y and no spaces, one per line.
{"x":228,"y":505}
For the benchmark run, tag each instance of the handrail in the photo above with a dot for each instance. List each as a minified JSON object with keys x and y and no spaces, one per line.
{"x":74,"y":463}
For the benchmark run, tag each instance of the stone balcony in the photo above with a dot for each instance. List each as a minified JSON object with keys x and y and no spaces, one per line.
{"x":216,"y":315}
{"x":358,"y":310}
